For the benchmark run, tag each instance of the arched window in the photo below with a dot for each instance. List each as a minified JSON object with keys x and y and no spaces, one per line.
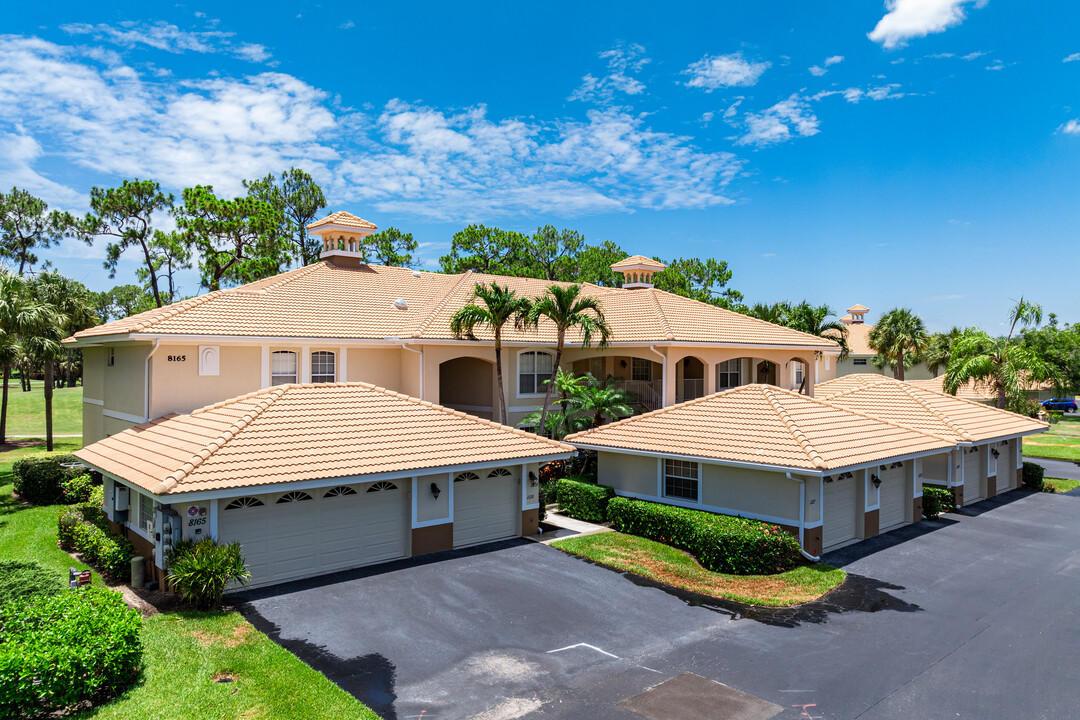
{"x":382,"y":485}
{"x":534,"y":369}
{"x":244,"y":502}
{"x":339,"y":491}
{"x":293,"y":497}
{"x":499,"y":472}
{"x":282,"y":367}
{"x":462,"y":477}
{"x":323,"y":367}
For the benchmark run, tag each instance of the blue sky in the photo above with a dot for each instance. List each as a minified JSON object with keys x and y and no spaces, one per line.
{"x":923,"y":153}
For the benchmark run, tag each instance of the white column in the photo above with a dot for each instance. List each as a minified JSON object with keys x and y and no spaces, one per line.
{"x":305,"y":364}
{"x":265,"y":366}
{"x":343,"y":364}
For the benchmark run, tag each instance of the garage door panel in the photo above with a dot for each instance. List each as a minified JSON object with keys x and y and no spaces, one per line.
{"x":838,"y":512}
{"x":973,"y":479}
{"x":893,"y":497}
{"x":1006,"y":467}
{"x":486,"y":509}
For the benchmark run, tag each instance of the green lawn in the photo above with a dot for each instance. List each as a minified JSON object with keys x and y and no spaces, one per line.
{"x":1062,"y":485}
{"x":1061,"y":441}
{"x":672,"y":566}
{"x":26,"y":410}
{"x":184,"y":652}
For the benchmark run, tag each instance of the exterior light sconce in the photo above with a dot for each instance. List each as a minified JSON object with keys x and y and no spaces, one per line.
{"x":876,"y":480}
{"x":435,"y":491}
{"x":995,"y":452}
{"x":882,"y":468}
{"x":532,"y":479}
{"x":622,"y":363}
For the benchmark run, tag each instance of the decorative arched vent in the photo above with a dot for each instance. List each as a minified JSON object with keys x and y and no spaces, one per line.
{"x":339,"y":491}
{"x":499,"y":472}
{"x":382,"y":485}
{"x":244,"y":502}
{"x":295,"y":496}
{"x":466,"y":476}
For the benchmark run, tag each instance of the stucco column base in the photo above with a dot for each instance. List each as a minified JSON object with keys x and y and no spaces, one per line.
{"x":530,"y":522}
{"x":1019,"y":477}
{"x":916,"y":510}
{"x":991,"y":486}
{"x":870,"y":523}
{"x":812,"y":540}
{"x":958,"y":495}
{"x":433,"y":538}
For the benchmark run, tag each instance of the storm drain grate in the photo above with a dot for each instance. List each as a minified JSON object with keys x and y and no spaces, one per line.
{"x":692,"y":697}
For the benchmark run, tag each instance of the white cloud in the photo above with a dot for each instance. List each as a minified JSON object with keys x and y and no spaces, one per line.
{"x":908,"y":19}
{"x":706,"y":117}
{"x":1071,"y":128}
{"x":835,"y":59}
{"x":733,"y":108}
{"x":1072,"y":58}
{"x":94,"y":113}
{"x":623,"y":62}
{"x":721,"y":71}
{"x":783,"y":121}
{"x":347,"y":25}
{"x":170,"y":38}
{"x":973,"y":55}
{"x":855,"y":94}
{"x":819,"y":70}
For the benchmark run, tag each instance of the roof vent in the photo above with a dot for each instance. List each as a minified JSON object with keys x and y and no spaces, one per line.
{"x":401,"y":304}
{"x":416,"y":273}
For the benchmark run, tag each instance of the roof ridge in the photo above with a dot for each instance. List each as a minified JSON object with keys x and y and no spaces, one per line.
{"x":875,"y":418}
{"x":657,"y":411}
{"x":911,"y":391}
{"x":660,"y":312}
{"x":158,"y":314}
{"x":284,"y":279}
{"x":174,"y":478}
{"x":800,"y":437}
{"x":426,"y":322}
{"x":978,"y":404}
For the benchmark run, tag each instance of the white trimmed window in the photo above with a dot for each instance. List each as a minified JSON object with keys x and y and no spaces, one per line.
{"x":728,"y":374}
{"x":800,"y":369}
{"x":282,"y":367}
{"x":858,"y":361}
{"x":681,"y":479}
{"x":323,"y":367}
{"x":146,"y":511}
{"x":641,"y":370}
{"x":110,"y":357}
{"x":534,"y":369}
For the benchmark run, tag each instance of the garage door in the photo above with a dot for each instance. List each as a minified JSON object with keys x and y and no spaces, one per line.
{"x":838,"y":513}
{"x":1006,"y":467}
{"x":287,"y":536}
{"x":893,"y":497}
{"x":973,"y":478}
{"x":487,"y":506}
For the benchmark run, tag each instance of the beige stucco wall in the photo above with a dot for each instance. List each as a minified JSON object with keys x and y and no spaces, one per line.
{"x":122,"y":386}
{"x":111,"y":426}
{"x":92,"y":425}
{"x":746,"y":490}
{"x":94,"y":372}
{"x":935,"y":469}
{"x":918,"y":371}
{"x":628,"y":473}
{"x":177,"y":387}
{"x":427,"y":507}
{"x":379,"y":366}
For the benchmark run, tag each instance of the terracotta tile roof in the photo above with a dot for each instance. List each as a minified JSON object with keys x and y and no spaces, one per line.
{"x":907,"y":403}
{"x":764,"y":424}
{"x":344,"y":219}
{"x":858,"y":338}
{"x":292,"y":433}
{"x":638,"y":261}
{"x":973,"y":391}
{"x":325,"y":300}
{"x":857,"y":309}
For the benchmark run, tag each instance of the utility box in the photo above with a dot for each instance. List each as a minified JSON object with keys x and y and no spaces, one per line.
{"x":138,"y":571}
{"x":120,"y":497}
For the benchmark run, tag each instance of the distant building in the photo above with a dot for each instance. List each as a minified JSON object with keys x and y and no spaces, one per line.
{"x":860,"y":357}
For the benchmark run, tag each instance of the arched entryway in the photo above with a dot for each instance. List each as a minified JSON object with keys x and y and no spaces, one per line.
{"x":468,"y":384}
{"x":689,"y":379}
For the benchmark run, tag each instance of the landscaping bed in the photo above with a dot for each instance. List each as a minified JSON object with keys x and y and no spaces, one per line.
{"x":671,"y":566}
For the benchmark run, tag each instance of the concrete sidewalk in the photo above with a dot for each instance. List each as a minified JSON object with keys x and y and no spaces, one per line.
{"x":565,"y":526}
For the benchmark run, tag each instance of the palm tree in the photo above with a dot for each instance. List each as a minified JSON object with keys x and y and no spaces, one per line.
{"x":600,"y":399}
{"x":500,"y":305}
{"x":20,"y":315}
{"x":899,"y":331}
{"x":567,"y":308}
{"x":776,"y":313}
{"x":1004,"y":366}
{"x":939,"y":350}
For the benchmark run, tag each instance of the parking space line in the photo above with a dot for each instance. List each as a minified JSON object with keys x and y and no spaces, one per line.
{"x":584,"y":645}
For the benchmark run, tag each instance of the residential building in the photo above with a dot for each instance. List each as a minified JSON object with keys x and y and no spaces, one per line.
{"x":860,"y":358}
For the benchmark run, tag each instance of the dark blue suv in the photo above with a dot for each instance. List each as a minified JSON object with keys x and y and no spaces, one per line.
{"x":1060,"y":404}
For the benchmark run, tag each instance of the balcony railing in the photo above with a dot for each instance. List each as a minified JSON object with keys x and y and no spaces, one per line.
{"x":689,"y":390}
{"x":647,"y":393}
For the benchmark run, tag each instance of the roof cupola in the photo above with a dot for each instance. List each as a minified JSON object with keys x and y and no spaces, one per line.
{"x":855,"y":315}
{"x":342,"y":234}
{"x":638,"y":271}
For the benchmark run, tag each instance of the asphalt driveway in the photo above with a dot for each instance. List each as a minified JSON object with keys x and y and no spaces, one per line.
{"x":973,"y":616}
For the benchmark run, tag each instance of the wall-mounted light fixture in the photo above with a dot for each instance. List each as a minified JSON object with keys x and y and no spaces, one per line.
{"x":532,"y":479}
{"x":876,"y":480}
{"x":995,"y":452}
{"x":882,"y":468}
{"x":622,"y":363}
{"x":435,"y":491}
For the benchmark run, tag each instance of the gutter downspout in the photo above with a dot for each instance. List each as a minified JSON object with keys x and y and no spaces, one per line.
{"x":405,"y":346}
{"x":802,"y":517}
{"x":663,"y":375}
{"x":146,"y":380}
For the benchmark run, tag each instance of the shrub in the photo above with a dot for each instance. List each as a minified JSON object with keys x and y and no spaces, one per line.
{"x":23,"y":579}
{"x":552,"y":471}
{"x":200,"y":571}
{"x":59,"y":650}
{"x":77,"y":489}
{"x":84,"y":529}
{"x":584,"y":501}
{"x":549,"y":491}
{"x":937,"y":500}
{"x":721,"y":543}
{"x":1033,"y":475}
{"x":38,"y":479}
{"x":1048,"y":488}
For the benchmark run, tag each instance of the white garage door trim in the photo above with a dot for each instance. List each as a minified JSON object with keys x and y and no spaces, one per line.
{"x":838,"y":512}
{"x":300,"y":534}
{"x":487,"y":506}
{"x":973,"y":479}
{"x":893,"y":496}
{"x":1006,"y":467}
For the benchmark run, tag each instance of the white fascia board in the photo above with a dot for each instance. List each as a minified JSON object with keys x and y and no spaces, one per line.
{"x":348,"y":479}
{"x":808,"y":472}
{"x":891,"y":459}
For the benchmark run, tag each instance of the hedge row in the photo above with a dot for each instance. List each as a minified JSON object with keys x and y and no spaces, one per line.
{"x":1033,"y":476}
{"x":40,"y":479}
{"x":84,"y":529}
{"x":584,"y":501}
{"x":59,"y":650}
{"x":937,"y":500}
{"x":721,"y":543}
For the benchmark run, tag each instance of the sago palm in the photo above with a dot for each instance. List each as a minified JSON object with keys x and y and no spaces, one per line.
{"x":899,"y":332}
{"x":492,"y":306}
{"x":567,"y":309}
